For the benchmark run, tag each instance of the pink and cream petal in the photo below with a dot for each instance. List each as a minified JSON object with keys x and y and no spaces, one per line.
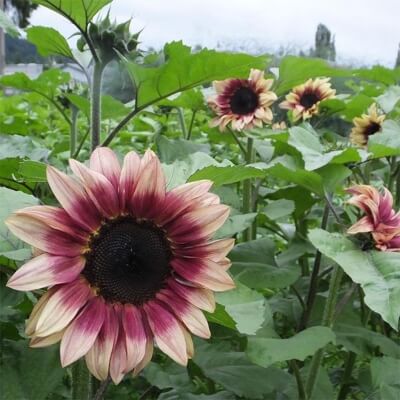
{"x":135,"y":336}
{"x":118,"y":360}
{"x":37,"y":342}
{"x":64,"y":304}
{"x":148,"y":354}
{"x":40,"y":235}
{"x":104,"y":161}
{"x":31,"y":323}
{"x":83,"y":331}
{"x":128,"y":179}
{"x":73,"y":199}
{"x":167,"y":332}
{"x":46,"y":270}
{"x":100,"y":190}
{"x":99,"y":356}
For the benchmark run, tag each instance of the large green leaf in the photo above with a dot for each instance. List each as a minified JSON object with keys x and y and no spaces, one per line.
{"x":8,"y":25}
{"x":267,"y":351}
{"x":313,"y":153}
{"x":192,"y":99}
{"x":385,"y":377}
{"x":235,"y":224}
{"x":79,"y":12}
{"x":46,"y":84}
{"x":10,"y":201}
{"x":389,"y":99}
{"x":184,"y":70}
{"x":28,"y":374}
{"x":378,"y":273}
{"x":247,"y":308}
{"x":363,"y":341}
{"x":167,"y":376}
{"x":237,"y":374}
{"x":49,"y":41}
{"x":254,"y":264}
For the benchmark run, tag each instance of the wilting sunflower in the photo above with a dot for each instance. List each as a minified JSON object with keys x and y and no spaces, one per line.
{"x":366,"y":125}
{"x":127,"y":263}
{"x":304,"y":99}
{"x":244,"y":103}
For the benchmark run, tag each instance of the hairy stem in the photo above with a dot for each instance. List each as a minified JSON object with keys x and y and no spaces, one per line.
{"x":237,"y":140}
{"x":182,"y":123}
{"x":73,"y":132}
{"x":348,"y":369}
{"x":248,"y":189}
{"x":312,"y":292}
{"x":327,"y":320}
{"x":300,"y":387}
{"x":95,"y":104}
{"x":189,"y":132}
{"x":102,"y":389}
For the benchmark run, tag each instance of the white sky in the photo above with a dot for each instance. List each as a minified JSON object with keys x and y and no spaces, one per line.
{"x":366,"y":31}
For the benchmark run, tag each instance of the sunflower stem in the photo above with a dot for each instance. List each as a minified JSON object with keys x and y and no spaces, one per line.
{"x":182,"y":123}
{"x":327,"y":320}
{"x":102,"y":389}
{"x":248,"y":189}
{"x":95,"y":104}
{"x":81,"y":381}
{"x":189,"y":133}
{"x":73,"y":133}
{"x":239,"y":143}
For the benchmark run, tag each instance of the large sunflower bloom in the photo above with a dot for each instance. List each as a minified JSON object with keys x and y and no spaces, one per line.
{"x":243,"y":103}
{"x":304,"y":99}
{"x":366,"y":125}
{"x":127,"y":263}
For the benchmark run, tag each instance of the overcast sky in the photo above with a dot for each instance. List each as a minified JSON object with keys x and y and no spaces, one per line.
{"x":366,"y":31}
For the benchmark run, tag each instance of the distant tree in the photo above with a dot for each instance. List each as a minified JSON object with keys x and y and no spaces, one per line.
{"x":324,"y":44}
{"x":397,"y":64}
{"x":20,"y":11}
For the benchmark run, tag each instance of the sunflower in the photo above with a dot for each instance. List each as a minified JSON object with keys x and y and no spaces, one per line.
{"x":244,"y":103}
{"x":304,"y":99}
{"x":127,"y":263}
{"x":366,"y":125}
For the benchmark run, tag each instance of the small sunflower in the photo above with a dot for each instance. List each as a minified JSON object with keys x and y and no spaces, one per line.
{"x":126,"y":262}
{"x":304,"y":99}
{"x":244,"y":103}
{"x":366,"y":125}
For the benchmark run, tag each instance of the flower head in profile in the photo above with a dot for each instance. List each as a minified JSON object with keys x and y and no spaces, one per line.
{"x":304,"y":99}
{"x":366,"y":125}
{"x":380,"y":219}
{"x":127,"y":263}
{"x":242,"y":103}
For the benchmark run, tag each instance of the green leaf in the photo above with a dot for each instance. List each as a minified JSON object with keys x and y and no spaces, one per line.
{"x":387,"y":142}
{"x":29,"y":372}
{"x":385,"y":377}
{"x":247,"y":308}
{"x":377,"y":272}
{"x":278,"y":209}
{"x":184,"y":70}
{"x":46,"y":84}
{"x":237,"y":374}
{"x":33,"y":171}
{"x":229,"y":174}
{"x":254,"y":265}
{"x":49,"y":41}
{"x":79,"y":12}
{"x":313,"y":153}
{"x":363,"y":341}
{"x":235,"y":224}
{"x":221,"y":317}
{"x":267,"y":351}
{"x":8,"y":25}
{"x":9,"y":298}
{"x":15,"y":146}
{"x":166,"y":376}
{"x":192,"y":99}
{"x":389,"y":99}
{"x":10,"y":201}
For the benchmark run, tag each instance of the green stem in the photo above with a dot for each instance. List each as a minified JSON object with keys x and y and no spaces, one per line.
{"x":239,"y":143}
{"x":181,"y":119}
{"x":312,"y":292}
{"x":348,"y":369}
{"x":300,"y":387}
{"x":248,"y":189}
{"x":95,"y":104}
{"x":81,"y":385}
{"x":189,"y":132}
{"x":327,"y":320}
{"x":73,"y":133}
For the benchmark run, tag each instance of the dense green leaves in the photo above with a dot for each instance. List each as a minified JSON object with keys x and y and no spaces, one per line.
{"x":184,"y":70}
{"x":376,"y":272}
{"x":267,"y":351}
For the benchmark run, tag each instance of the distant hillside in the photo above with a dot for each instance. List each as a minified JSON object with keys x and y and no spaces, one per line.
{"x":21,"y":51}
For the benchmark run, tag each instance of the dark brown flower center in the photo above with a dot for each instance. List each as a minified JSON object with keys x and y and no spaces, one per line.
{"x":128,"y":261}
{"x":244,"y":101}
{"x":372,"y":128}
{"x":308,"y":99}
